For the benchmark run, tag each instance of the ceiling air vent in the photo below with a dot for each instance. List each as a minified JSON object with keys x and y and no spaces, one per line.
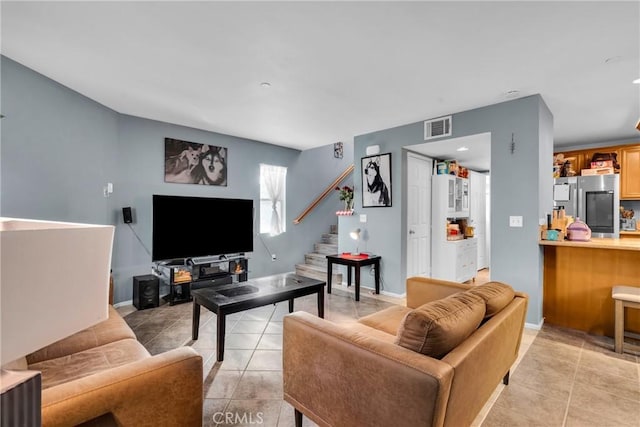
{"x":435,"y":128}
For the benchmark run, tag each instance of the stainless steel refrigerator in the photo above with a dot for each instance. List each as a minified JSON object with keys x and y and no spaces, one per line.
{"x":594,"y":199}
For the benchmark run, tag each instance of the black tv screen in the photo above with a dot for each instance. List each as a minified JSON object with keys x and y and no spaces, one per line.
{"x":188,"y":227}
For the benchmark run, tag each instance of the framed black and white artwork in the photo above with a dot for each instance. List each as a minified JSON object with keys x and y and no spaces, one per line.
{"x":192,"y":163}
{"x":376,"y":181}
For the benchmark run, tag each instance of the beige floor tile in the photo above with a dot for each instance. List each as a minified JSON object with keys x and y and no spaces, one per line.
{"x":236,"y":359}
{"x":259,"y":385}
{"x":260,"y":313}
{"x":224,"y":384}
{"x":241,"y":341}
{"x":248,"y":327}
{"x":212,"y":408}
{"x":273,"y":327}
{"x":584,"y":417}
{"x":266,"y":360}
{"x":613,"y":407}
{"x":251,"y":413}
{"x":520,"y":406}
{"x":270,"y":342}
{"x":610,"y":364}
{"x":625,"y":387}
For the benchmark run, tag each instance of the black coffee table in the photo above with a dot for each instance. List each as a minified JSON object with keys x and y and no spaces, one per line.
{"x":235,"y":297}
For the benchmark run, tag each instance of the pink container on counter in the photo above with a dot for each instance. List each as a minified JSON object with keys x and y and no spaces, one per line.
{"x":578,"y":231}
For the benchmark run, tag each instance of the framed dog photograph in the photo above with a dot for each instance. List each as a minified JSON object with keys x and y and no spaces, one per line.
{"x":192,"y":163}
{"x":376,"y":181}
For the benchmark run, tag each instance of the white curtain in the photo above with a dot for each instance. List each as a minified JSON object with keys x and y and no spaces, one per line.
{"x":274,"y":179}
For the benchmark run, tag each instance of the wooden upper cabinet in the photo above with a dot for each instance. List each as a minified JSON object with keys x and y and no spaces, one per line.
{"x":588,"y":155}
{"x":630,"y":172}
{"x":576,"y":161}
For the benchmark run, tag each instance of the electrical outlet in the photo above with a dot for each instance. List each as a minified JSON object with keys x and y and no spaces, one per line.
{"x":372,"y":270}
{"x":515,"y":221}
{"x":273,"y":257}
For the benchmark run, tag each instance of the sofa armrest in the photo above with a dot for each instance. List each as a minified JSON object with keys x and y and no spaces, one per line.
{"x":165,"y":389}
{"x":338,"y":377}
{"x":421,"y":290}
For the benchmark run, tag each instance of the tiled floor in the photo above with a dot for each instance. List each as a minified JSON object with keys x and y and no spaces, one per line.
{"x":562,"y":377}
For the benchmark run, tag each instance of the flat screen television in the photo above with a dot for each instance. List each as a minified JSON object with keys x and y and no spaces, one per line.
{"x":189,"y":227}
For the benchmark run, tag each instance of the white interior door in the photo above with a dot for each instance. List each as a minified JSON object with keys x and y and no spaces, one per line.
{"x":418,"y":215}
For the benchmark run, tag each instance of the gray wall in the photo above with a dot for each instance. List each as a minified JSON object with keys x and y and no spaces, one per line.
{"x":59,"y":149}
{"x":519,"y":185}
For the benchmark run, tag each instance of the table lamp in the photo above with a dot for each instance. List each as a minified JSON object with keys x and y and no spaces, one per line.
{"x":355,"y":235}
{"x":54,"y":282}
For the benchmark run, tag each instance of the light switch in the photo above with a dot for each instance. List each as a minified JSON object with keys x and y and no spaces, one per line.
{"x":515,"y":221}
{"x":363,"y":218}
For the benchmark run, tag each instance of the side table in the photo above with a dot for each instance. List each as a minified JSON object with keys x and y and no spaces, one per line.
{"x":355,"y":261}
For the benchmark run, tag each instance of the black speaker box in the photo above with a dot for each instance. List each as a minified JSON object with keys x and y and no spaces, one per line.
{"x":126,"y":215}
{"x":146,"y":291}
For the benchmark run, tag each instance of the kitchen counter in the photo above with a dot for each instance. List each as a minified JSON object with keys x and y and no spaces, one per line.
{"x":578,"y":277}
{"x":598,"y":243}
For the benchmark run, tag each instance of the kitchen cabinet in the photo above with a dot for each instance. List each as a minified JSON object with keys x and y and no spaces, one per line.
{"x":455,"y":260}
{"x":576,"y":161}
{"x":451,"y":194}
{"x":588,"y":156}
{"x":630,"y":172}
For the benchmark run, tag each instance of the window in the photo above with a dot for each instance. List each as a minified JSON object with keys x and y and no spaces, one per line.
{"x":273,"y":183}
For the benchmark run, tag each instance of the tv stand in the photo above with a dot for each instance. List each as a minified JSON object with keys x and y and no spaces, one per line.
{"x":217,"y":270}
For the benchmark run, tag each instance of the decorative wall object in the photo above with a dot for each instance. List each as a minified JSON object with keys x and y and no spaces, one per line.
{"x":338,"y":149}
{"x":376,"y":181}
{"x":192,"y":163}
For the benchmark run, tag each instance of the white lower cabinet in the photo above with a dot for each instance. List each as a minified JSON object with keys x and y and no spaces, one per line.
{"x":455,"y":260}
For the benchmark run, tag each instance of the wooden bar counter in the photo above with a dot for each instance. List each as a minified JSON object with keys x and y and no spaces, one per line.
{"x":578,"y":277}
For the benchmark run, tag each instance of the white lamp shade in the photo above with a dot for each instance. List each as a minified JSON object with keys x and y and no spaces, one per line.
{"x":355,"y":234}
{"x":54,"y":282}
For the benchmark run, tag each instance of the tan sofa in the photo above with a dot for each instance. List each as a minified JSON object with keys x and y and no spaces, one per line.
{"x":361,"y":374}
{"x":104,"y":376}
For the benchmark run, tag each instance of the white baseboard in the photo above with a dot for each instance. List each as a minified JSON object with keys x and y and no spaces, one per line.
{"x":382,"y":292}
{"x":533,"y":326}
{"x":123,"y":303}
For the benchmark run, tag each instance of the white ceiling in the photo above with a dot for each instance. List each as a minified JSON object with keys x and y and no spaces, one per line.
{"x":337,"y":69}
{"x":477,"y":156}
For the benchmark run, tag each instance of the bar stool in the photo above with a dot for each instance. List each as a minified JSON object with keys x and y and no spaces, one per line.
{"x":624,"y":297}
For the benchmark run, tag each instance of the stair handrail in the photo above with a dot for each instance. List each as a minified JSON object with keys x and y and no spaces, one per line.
{"x":324,"y":194}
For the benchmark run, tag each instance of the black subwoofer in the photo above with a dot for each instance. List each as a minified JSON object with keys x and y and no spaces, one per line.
{"x":146,"y":291}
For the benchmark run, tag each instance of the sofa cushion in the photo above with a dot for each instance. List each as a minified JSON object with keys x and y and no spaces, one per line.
{"x":387,"y":320}
{"x":495,"y":294}
{"x":437,"y":327}
{"x":88,"y":362}
{"x":113,"y":329}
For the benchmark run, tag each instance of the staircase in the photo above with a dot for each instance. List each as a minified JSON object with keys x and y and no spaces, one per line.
{"x":315,"y":263}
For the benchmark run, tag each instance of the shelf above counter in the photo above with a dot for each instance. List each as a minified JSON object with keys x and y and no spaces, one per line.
{"x":597,"y":243}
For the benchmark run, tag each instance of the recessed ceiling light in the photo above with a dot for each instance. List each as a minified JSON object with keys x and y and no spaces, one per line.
{"x":265,"y":84}
{"x":462,"y":149}
{"x":637,"y":81}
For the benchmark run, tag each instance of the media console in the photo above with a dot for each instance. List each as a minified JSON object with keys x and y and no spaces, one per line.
{"x":182,"y":276}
